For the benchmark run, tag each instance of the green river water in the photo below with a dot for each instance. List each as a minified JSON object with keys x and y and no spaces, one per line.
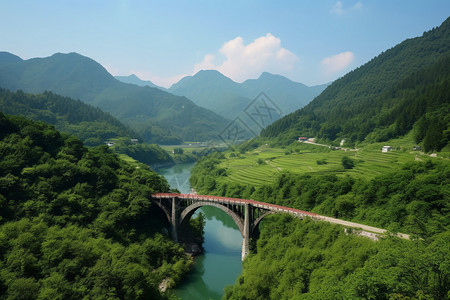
{"x":221,"y":264}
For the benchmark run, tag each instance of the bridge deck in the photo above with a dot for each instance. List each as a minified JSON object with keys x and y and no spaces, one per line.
{"x":275,"y":208}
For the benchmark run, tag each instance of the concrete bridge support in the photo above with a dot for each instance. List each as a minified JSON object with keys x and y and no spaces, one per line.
{"x":174,"y":220}
{"x":247,"y":231}
{"x":247,"y":214}
{"x":179,"y":210}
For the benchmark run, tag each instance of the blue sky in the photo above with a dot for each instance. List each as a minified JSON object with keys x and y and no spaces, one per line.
{"x":312,"y":42}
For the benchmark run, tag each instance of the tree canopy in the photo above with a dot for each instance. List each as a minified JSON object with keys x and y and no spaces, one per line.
{"x":78,"y":222}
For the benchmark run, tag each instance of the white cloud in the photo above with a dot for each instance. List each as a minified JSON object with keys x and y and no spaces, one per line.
{"x":241,"y":62}
{"x":238,"y":61}
{"x":206,"y":64}
{"x":338,"y":8}
{"x":336,"y":63}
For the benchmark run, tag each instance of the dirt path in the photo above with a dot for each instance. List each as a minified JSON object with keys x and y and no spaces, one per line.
{"x":362,"y":226}
{"x":329,"y":146}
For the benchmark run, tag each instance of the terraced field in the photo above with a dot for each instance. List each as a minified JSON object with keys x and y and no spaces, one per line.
{"x":263,"y":164}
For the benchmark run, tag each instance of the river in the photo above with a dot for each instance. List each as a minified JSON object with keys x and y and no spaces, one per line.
{"x":220,"y":265}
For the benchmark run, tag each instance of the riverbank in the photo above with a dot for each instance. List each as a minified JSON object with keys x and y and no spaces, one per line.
{"x":220,"y":263}
{"x":156,"y":166}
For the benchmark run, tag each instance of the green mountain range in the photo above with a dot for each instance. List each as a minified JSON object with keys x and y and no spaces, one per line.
{"x":404,"y":88}
{"x":215,"y":91}
{"x":156,"y":115}
{"x":87,"y":122}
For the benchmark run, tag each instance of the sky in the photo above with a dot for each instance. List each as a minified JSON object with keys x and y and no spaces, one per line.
{"x":312,"y":42}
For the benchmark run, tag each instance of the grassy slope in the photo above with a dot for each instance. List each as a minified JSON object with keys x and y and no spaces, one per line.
{"x":369,"y":161}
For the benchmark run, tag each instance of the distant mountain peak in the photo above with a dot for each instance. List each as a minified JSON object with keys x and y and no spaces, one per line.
{"x":267,"y":74}
{"x":211,"y":74}
{"x":134,"y":79}
{"x":6,"y":57}
{"x":215,"y":91}
{"x":153,"y":111}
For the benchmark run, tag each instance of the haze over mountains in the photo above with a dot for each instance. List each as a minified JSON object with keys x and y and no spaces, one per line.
{"x":156,"y":115}
{"x":133,"y":79}
{"x":213,"y":90}
{"x":374,"y":102}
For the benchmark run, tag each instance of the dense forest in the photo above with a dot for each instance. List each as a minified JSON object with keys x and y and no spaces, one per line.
{"x":77,"y":222}
{"x":307,"y":260}
{"x":403,"y":88}
{"x":93,"y":126}
{"x":150,"y":154}
{"x":303,"y":259}
{"x":402,"y":91}
{"x":413,"y":199}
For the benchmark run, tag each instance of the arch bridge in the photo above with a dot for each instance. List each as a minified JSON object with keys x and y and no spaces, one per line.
{"x":247,"y":214}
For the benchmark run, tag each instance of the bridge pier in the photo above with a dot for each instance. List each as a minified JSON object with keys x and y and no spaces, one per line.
{"x":247,"y":232}
{"x":247,"y":214}
{"x":174,"y":220}
{"x":179,"y":210}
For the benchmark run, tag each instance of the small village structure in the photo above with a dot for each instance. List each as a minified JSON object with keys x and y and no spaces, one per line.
{"x":387,"y":149}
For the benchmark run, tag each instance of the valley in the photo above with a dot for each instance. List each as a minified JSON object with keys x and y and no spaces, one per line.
{"x":87,"y":156}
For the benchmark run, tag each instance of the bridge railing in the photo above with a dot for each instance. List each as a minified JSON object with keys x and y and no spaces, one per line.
{"x":275,"y":208}
{"x":237,"y":201}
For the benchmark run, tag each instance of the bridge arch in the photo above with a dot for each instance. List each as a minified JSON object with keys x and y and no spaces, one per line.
{"x":260,"y":218}
{"x":187,"y":213}
{"x":247,"y":214}
{"x":165,"y":211}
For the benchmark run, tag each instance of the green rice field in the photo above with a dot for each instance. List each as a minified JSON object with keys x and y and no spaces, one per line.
{"x":262,"y":165}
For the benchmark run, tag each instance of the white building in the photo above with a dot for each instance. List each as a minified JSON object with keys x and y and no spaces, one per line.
{"x":386,"y":149}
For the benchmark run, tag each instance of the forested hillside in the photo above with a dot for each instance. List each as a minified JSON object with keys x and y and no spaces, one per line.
{"x":411,"y":198}
{"x":302,"y":259}
{"x":295,"y":259}
{"x":90,"y":124}
{"x":157,"y":116}
{"x":403,"y":88}
{"x":77,"y":222}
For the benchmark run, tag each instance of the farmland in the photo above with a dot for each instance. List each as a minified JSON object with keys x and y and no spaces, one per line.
{"x":263,"y":164}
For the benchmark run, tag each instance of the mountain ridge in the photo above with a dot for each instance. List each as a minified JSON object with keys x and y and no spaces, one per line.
{"x":356,"y":107}
{"x":149,"y":111}
{"x":134,"y":79}
{"x":93,"y":126}
{"x":6,"y":57}
{"x":215,"y":91}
